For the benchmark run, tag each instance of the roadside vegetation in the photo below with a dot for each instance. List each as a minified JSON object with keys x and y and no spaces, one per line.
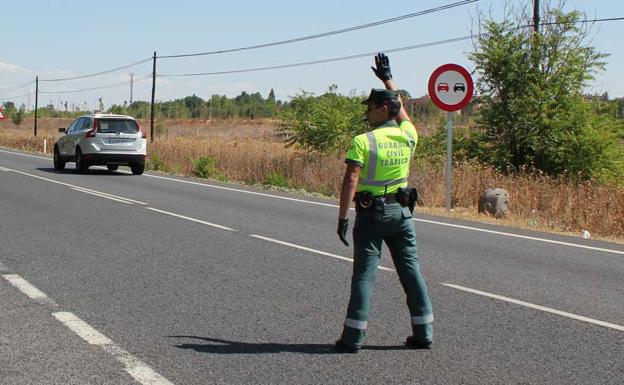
{"x":531,"y":130}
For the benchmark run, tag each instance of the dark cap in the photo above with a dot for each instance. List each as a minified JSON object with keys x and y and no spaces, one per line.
{"x":377,"y":95}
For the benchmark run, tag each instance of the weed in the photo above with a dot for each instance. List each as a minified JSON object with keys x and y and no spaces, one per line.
{"x":205,"y":167}
{"x":155,"y":162}
{"x":276,"y":179}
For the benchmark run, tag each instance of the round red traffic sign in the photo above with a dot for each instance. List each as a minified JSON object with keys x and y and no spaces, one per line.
{"x":450,"y":87}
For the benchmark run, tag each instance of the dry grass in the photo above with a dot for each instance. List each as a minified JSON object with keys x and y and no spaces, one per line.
{"x":246,"y":151}
{"x":250,"y":161}
{"x":537,"y":200}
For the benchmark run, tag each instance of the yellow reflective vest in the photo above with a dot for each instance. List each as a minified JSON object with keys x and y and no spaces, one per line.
{"x":384,"y":154}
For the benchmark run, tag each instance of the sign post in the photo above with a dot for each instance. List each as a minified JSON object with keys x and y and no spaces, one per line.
{"x":450,"y":88}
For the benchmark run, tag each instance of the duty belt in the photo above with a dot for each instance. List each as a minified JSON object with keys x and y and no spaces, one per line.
{"x":366,"y":200}
{"x":391,"y":198}
{"x":405,"y":196}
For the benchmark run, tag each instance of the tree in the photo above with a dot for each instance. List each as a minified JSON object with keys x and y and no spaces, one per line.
{"x":271,"y":97}
{"x":193,"y":104}
{"x":9,"y":107}
{"x":326,"y":123}
{"x":18,"y":116}
{"x":533,"y":114}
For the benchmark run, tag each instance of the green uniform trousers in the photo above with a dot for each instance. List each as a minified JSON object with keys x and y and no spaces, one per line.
{"x":396,"y":228}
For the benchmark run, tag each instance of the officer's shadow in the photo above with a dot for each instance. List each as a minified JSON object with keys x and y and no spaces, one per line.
{"x":220,"y":346}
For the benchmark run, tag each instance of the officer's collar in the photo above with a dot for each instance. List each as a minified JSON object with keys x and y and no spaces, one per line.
{"x":389,"y":123}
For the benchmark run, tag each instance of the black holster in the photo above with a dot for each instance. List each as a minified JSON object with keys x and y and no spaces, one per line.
{"x":365,"y":200}
{"x":407,"y":197}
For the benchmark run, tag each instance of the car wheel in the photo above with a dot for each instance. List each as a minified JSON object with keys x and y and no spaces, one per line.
{"x":112,"y":167}
{"x":59,"y":163}
{"x":81,"y":166}
{"x":137,"y":169}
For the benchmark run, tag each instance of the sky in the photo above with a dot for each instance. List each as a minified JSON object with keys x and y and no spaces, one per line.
{"x":55,"y":39}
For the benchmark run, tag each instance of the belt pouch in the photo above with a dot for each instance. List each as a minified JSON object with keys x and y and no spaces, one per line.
{"x":402,"y":196}
{"x":407,"y":196}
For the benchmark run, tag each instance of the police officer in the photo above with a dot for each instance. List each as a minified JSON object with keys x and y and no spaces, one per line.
{"x":376,"y":178}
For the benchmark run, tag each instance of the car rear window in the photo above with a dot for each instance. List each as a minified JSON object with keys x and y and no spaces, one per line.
{"x":122,"y":126}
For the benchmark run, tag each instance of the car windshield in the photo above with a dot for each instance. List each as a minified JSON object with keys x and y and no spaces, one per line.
{"x":114,"y":126}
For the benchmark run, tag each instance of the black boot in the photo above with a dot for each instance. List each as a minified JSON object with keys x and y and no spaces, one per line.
{"x":342,"y":347}
{"x":412,"y":343}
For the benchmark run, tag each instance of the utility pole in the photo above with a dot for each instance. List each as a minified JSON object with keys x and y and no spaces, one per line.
{"x":536,"y":21}
{"x":131,"y":85}
{"x":153,"y":96}
{"x":36,"y":101}
{"x":536,"y":16}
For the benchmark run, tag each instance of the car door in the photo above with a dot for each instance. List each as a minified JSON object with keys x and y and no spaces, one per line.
{"x":64,"y":141}
{"x":76,"y":134}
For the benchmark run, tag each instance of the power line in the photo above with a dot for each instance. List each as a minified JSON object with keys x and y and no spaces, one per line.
{"x":576,"y":22}
{"x":440,"y":42}
{"x":15,"y":97}
{"x":342,"y":58}
{"x":93,"y":88}
{"x":98,"y":73}
{"x":13,"y":88}
{"x":330,"y":33}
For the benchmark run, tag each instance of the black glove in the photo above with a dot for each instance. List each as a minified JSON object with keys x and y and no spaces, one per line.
{"x":343,"y":226}
{"x":382,"y":67}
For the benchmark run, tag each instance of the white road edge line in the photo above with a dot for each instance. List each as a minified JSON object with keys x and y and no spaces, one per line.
{"x":335,"y":206}
{"x":4,"y":169}
{"x":101,"y":195}
{"x":22,"y":285}
{"x":30,"y":156}
{"x":537,"y":307}
{"x":191,"y":219}
{"x":524,"y":237}
{"x":133,"y":366}
{"x":311,"y":250}
{"x":77,"y":188}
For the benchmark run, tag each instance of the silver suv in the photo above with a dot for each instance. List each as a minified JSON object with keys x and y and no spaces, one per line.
{"x":102,"y":139}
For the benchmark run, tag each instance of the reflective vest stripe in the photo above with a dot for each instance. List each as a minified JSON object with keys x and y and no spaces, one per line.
{"x":388,"y":182}
{"x":412,"y":143}
{"x":372,"y":157}
{"x":426,"y":319}
{"x":355,"y":324}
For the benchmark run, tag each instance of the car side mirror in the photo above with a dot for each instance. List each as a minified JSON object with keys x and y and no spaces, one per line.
{"x":62,"y":129}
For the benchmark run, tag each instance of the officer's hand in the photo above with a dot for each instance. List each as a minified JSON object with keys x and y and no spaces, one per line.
{"x":382,"y":67}
{"x":343,"y":226}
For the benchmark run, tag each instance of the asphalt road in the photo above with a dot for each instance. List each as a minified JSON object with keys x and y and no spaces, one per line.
{"x":155,"y":279}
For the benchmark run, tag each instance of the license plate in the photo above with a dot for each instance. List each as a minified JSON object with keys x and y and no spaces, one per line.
{"x":119,"y":140}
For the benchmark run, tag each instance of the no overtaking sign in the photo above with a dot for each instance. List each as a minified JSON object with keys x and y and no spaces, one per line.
{"x":450,"y":87}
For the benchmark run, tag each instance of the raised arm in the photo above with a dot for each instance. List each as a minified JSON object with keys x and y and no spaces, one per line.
{"x":382,"y":71}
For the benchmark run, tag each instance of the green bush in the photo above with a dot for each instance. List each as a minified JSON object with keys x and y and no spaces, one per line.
{"x":205,"y":167}
{"x":325,"y":123}
{"x":155,"y":163}
{"x":276,"y":179}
